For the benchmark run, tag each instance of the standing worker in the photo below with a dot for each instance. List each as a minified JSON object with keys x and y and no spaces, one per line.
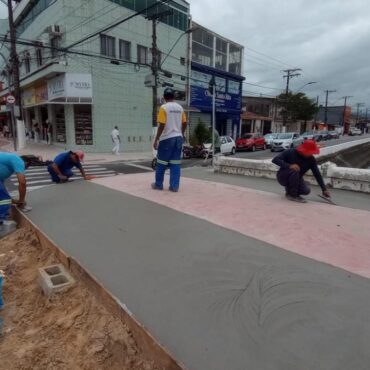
{"x":10,"y":164}
{"x":116,"y":140}
{"x":61,"y":168}
{"x":294,"y":163}
{"x":169,"y":139}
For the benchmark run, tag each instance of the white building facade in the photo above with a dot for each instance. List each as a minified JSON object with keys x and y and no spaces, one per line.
{"x":87,"y":89}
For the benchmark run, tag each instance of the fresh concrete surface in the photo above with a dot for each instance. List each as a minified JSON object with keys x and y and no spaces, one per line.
{"x":343,"y":198}
{"x":215,"y":298}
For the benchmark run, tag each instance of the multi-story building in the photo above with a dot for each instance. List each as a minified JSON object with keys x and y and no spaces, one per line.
{"x":85,"y":86}
{"x":259,"y":114}
{"x":214,"y":56}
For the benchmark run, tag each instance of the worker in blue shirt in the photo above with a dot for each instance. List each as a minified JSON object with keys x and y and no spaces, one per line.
{"x":10,"y":164}
{"x":61,"y":168}
{"x":294,"y":163}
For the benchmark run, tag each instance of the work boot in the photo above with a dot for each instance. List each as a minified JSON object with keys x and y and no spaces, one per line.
{"x":298,"y":198}
{"x":7,"y":227}
{"x":155,"y":187}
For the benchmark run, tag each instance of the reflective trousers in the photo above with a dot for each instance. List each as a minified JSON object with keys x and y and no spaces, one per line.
{"x":169,"y":155}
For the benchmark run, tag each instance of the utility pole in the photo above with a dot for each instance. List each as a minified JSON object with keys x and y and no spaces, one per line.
{"x":14,"y":67}
{"x":317,"y":105}
{"x":155,"y":65}
{"x":14,"y":61}
{"x":290,"y":73}
{"x":358,"y":110}
{"x":326,"y":105}
{"x":344,"y":112}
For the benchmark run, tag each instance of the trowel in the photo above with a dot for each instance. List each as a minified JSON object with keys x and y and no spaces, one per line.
{"x":327,"y":199}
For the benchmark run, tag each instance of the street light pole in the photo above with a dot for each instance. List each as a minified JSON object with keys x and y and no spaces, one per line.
{"x":308,"y":83}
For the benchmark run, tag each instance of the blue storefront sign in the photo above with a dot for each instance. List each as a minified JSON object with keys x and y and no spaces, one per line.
{"x":228,"y":91}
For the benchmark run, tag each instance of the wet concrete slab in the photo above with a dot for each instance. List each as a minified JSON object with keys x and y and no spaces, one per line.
{"x":315,"y":230}
{"x":217,"y":299}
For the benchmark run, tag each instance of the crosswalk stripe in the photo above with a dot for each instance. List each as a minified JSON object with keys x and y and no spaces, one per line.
{"x":42,"y":173}
{"x":49,"y":180}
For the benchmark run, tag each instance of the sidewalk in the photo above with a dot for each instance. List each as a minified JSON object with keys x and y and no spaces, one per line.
{"x":50,"y":151}
{"x":224,"y":276}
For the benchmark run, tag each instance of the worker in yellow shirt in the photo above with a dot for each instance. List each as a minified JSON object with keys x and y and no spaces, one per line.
{"x":169,"y":139}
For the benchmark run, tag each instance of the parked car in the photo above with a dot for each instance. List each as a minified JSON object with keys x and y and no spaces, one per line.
{"x":251,"y":142}
{"x":354,"y":131}
{"x":325,"y":135}
{"x":228,"y":146}
{"x":334,"y":134}
{"x":269,"y":138}
{"x":286,"y":140}
{"x":312,"y":135}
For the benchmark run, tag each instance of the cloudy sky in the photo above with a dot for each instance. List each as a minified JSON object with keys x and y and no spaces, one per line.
{"x":328,"y":39}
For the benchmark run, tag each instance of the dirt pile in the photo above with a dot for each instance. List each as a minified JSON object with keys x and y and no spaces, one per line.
{"x":71,"y":330}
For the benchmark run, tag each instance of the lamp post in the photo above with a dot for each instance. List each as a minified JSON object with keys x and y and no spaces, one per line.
{"x":308,"y":83}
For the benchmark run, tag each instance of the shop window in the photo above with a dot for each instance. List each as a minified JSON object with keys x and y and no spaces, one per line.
{"x":60,"y":124}
{"x":107,"y":46}
{"x":125,"y":50}
{"x":83,"y":125}
{"x":142,"y":54}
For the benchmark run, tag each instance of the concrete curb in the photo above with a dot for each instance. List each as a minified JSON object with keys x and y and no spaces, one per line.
{"x":147,"y":343}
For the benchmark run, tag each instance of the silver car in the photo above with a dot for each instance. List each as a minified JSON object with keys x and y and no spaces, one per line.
{"x":286,"y":140}
{"x":269,"y":138}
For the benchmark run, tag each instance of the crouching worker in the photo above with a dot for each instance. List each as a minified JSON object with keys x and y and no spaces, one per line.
{"x":61,"y":168}
{"x":294,"y":163}
{"x":10,"y":164}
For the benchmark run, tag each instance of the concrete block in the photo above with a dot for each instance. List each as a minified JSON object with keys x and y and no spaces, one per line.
{"x":7,"y":227}
{"x":54,"y":279}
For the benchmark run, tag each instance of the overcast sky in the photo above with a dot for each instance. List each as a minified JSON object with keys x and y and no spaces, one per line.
{"x":328,"y":39}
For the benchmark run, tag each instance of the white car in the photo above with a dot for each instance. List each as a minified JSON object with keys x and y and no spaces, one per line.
{"x":354,"y":131}
{"x":286,"y":141}
{"x":228,"y":145}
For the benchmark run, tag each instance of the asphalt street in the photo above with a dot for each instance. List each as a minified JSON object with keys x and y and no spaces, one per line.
{"x":267,"y":154}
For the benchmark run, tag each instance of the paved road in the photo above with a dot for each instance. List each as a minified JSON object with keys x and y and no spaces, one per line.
{"x":266,"y":154}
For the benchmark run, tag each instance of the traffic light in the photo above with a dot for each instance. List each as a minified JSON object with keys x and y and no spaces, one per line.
{"x":211,"y":85}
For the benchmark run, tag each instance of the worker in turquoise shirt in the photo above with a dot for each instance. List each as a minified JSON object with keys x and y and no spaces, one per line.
{"x":61,"y":168}
{"x":10,"y":164}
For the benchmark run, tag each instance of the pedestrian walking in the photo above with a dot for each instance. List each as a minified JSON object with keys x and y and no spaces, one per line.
{"x":116,"y":140}
{"x":294,"y":163}
{"x":60,"y":169}
{"x":169,"y":139}
{"x":49,"y":130}
{"x":36,"y":132}
{"x":6,"y":131}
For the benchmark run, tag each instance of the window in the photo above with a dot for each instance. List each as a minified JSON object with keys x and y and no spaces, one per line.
{"x":39,"y":57}
{"x":125,"y":50}
{"x":142,"y":54}
{"x":27,"y":64}
{"x":107,"y":46}
{"x":55,"y":44}
{"x":234,"y":87}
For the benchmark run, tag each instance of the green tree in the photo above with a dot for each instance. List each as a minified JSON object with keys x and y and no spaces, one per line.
{"x":297,"y":107}
{"x":201,"y":134}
